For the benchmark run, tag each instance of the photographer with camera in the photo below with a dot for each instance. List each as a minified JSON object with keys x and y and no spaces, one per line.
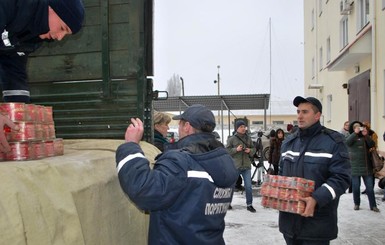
{"x":359,"y":143}
{"x":240,"y":147}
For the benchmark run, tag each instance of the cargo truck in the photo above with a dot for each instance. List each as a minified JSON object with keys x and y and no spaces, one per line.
{"x":95,"y":81}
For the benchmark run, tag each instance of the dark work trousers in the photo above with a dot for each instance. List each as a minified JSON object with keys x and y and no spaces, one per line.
{"x":238,"y":184}
{"x":294,"y":241}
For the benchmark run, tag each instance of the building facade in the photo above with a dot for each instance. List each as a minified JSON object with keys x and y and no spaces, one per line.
{"x":345,"y":60}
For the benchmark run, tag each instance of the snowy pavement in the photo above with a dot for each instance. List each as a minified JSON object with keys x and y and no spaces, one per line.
{"x":362,"y":227}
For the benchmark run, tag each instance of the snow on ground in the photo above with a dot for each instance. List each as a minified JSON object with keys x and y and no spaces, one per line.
{"x":362,"y":227}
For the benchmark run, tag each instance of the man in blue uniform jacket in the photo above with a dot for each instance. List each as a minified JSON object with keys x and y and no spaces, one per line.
{"x":24,"y":24}
{"x":191,"y":185}
{"x":316,"y":153}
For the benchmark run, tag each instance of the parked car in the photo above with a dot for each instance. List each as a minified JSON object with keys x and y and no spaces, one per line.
{"x":172,"y":136}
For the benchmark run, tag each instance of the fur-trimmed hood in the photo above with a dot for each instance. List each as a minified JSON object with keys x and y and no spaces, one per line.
{"x":351,"y":126}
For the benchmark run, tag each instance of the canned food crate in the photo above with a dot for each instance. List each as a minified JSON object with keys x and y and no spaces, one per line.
{"x":27,"y":132}
{"x":284,"y":193}
{"x":36,"y":138}
{"x":15,"y":111}
{"x":20,"y":151}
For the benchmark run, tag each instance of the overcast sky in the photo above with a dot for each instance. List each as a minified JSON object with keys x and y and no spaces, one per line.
{"x":193,"y":37}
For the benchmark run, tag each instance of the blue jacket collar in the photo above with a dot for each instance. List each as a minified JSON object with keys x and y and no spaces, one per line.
{"x":196,"y":143}
{"x":309,"y":132}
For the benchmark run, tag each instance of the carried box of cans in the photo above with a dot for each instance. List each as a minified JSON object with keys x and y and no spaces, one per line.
{"x":36,"y":137}
{"x":283,"y":193}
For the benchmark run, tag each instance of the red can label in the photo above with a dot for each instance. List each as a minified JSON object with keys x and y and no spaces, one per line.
{"x":48,"y":114}
{"x":48,"y":145}
{"x":31,"y":112}
{"x":26,"y":132}
{"x":46,"y":131}
{"x":58,"y":146}
{"x":15,"y":111}
{"x":38,"y":149}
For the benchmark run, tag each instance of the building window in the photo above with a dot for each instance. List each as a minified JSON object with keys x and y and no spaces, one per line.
{"x":320,"y":59}
{"x":363,"y":13}
{"x":344,"y":32}
{"x":383,"y":4}
{"x":257,"y":122}
{"x":320,"y":7}
{"x":278,"y":122}
{"x":328,"y":51}
{"x":329,"y":108}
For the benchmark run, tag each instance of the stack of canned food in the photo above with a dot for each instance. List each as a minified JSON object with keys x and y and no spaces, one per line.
{"x":36,"y":138}
{"x":284,"y":193}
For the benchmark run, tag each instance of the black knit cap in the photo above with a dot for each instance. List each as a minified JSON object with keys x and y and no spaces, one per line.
{"x":70,"y":11}
{"x":239,"y":123}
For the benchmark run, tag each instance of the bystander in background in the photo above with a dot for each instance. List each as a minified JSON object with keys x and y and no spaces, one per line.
{"x":161,"y":121}
{"x":241,"y":148}
{"x":275,"y":149}
{"x":359,"y":142}
{"x":345,"y":129}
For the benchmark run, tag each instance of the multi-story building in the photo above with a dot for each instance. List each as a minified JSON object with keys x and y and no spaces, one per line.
{"x":345,"y":60}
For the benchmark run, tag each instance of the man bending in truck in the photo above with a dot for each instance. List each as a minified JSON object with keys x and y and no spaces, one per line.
{"x":24,"y":25}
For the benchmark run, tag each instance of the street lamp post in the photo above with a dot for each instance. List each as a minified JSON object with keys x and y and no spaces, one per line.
{"x":219,"y":92}
{"x":218,"y":81}
{"x":181,"y":79}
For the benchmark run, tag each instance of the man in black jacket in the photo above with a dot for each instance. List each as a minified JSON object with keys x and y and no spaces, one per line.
{"x":24,"y":24}
{"x":315,"y":153}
